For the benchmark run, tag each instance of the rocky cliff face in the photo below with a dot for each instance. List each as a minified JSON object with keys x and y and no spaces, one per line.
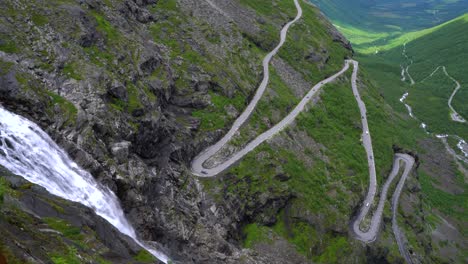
{"x":134,"y":89}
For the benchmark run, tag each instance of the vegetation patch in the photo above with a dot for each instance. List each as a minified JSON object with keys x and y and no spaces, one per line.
{"x":4,"y":188}
{"x":66,"y":106}
{"x":70,"y":257}
{"x":39,"y":19}
{"x":144,"y":257}
{"x":67,"y":229}
{"x":215,"y":116}
{"x":8,"y":46}
{"x":106,"y":27}
{"x":254,"y":233}
{"x":70,"y":70}
{"x":449,"y":204}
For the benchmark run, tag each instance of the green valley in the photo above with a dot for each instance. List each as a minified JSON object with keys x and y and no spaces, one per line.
{"x":375,"y":25}
{"x":429,"y":96}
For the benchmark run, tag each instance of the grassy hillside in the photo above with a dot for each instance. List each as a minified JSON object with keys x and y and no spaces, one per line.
{"x":318,"y":165}
{"x":443,"y":187}
{"x":372,"y":42}
{"x":388,"y":23}
{"x":322,"y":171}
{"x":171,"y":77}
{"x":444,"y":45}
{"x":391,"y":15}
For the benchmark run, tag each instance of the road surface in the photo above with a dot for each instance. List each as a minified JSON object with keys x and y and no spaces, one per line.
{"x":197,"y":163}
{"x":399,"y":236}
{"x":371,"y":234}
{"x":455,"y":116}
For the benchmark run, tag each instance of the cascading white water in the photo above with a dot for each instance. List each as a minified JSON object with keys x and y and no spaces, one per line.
{"x":28,"y":151}
{"x":463,"y":147}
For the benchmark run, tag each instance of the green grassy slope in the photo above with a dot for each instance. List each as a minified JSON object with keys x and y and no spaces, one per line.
{"x":294,"y":52}
{"x":325,"y":175}
{"x":324,"y":180}
{"x":371,"y":24}
{"x":326,"y":183}
{"x":444,"y":45}
{"x":366,"y":41}
{"x":387,"y":44}
{"x":382,"y":15}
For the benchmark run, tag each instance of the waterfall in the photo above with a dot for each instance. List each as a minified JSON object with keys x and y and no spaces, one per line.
{"x":28,"y":151}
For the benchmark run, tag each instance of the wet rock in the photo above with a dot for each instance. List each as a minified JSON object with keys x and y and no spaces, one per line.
{"x":152,"y":139}
{"x":9,"y":86}
{"x":33,"y":204}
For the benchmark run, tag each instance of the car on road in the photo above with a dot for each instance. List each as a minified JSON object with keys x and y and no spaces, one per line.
{"x":367,"y":204}
{"x":204,"y":172}
{"x":367,"y":132}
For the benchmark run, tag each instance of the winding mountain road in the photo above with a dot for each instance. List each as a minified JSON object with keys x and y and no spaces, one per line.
{"x":198,"y":168}
{"x":197,"y":164}
{"x":371,"y":234}
{"x":399,"y":236}
{"x":455,"y":116}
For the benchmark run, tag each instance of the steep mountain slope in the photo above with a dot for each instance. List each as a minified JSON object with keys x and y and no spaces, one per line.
{"x":394,"y":60}
{"x":39,"y":227}
{"x":435,"y":63}
{"x":133,"y":90}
